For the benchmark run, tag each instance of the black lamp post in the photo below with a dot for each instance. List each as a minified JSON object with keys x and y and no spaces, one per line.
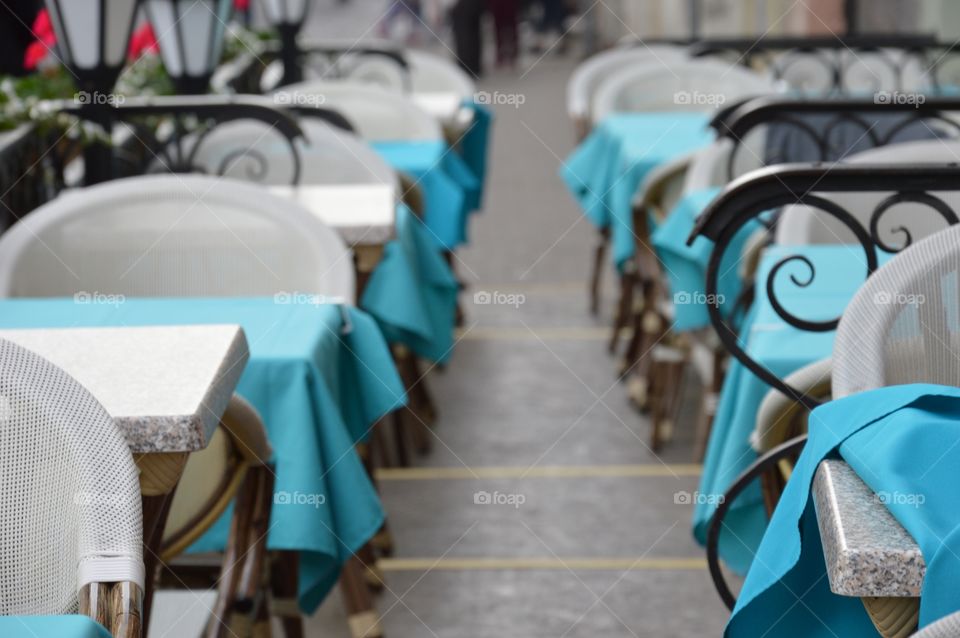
{"x":287,"y":17}
{"x":92,"y":41}
{"x":190,"y":34}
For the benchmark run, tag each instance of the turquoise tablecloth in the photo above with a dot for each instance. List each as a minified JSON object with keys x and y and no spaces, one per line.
{"x":319,"y":384}
{"x":449,"y":187}
{"x":51,"y":627}
{"x":686,"y":266}
{"x":841,"y":270}
{"x":900,"y":440}
{"x":412,"y":292}
{"x":474,"y":148}
{"x":604,"y":172}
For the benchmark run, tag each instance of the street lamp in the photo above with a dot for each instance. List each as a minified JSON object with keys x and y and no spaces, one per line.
{"x":190,"y":34}
{"x":92,"y":41}
{"x":287,"y":17}
{"x":92,"y":38}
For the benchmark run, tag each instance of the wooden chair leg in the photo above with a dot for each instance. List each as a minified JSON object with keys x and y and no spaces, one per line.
{"x":708,"y":408}
{"x":674,"y":396}
{"x":657,"y":381}
{"x":382,"y":541}
{"x":596,"y":275}
{"x":284,"y":579}
{"x":363,"y":618}
{"x":451,"y":262}
{"x":155,"y":511}
{"x":372,"y":574}
{"x":399,"y":420}
{"x":628,"y":280}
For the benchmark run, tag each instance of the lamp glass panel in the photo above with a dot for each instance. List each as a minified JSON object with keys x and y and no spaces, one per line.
{"x":224,"y":12}
{"x":79,"y":26}
{"x":118,"y":23}
{"x":275,"y":11}
{"x":196,"y":26}
{"x":62,"y":51}
{"x":297,"y":10}
{"x":163,"y":19}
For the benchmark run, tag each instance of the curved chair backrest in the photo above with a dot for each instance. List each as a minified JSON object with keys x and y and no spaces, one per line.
{"x":70,"y":511}
{"x":902,"y":326}
{"x":590,"y":74}
{"x":246,"y":151}
{"x":691,"y":85}
{"x":849,"y":72}
{"x":866,"y":72}
{"x":805,"y":225}
{"x":946,"y":627}
{"x":173,"y":235}
{"x":377,"y":114}
{"x":431,"y":73}
{"x":662,"y":188}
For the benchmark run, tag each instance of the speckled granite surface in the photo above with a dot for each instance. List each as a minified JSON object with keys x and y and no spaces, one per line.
{"x":166,"y":387}
{"x":867,"y":552}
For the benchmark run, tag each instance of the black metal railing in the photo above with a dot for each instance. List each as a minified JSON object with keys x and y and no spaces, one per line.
{"x":830,"y":130}
{"x":817,"y":187}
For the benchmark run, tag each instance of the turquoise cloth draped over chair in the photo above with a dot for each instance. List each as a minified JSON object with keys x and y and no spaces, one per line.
{"x":51,"y":627}
{"x":449,"y":186}
{"x":899,"y":439}
{"x":783,"y":349}
{"x":686,"y":266}
{"x":412,"y":292}
{"x":474,"y":148}
{"x":605,"y":171}
{"x":320,"y":376}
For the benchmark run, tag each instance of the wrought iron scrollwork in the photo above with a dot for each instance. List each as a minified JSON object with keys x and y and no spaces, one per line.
{"x":837,"y":59}
{"x":772,"y":188}
{"x":932,"y":201}
{"x":184,"y":125}
{"x":822,"y":124}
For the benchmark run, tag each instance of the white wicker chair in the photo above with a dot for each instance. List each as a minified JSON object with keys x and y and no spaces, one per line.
{"x":379,"y":115}
{"x":248,"y":151}
{"x":173,"y":235}
{"x":946,"y":627}
{"x":901,"y":326}
{"x":70,"y":515}
{"x":588,"y":77}
{"x":805,"y":225}
{"x":432,"y":73}
{"x":690,"y":85}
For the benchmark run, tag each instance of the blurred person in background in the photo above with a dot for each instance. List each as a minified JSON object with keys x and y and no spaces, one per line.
{"x":552,"y":15}
{"x":467,"y":18}
{"x":412,"y":10}
{"x":506,"y":17}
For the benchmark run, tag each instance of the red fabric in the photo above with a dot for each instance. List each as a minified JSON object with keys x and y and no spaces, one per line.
{"x":46,"y":40}
{"x":143,"y":40}
{"x":241,"y":5}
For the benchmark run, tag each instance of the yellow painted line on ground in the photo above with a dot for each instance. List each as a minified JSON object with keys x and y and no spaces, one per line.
{"x":537,"y":334}
{"x":544,"y":471}
{"x":546,"y":563}
{"x":534,"y":288}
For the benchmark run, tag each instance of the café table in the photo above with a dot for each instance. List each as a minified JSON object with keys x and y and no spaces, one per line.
{"x":446,"y":107}
{"x":165,"y":387}
{"x":363,"y":214}
{"x":867,"y":552}
{"x":451,"y":189}
{"x":70,"y":626}
{"x":319,"y":374}
{"x":605,"y":171}
{"x":783,"y":349}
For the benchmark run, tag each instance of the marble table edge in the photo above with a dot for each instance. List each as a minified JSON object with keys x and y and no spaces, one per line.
{"x":193,"y":432}
{"x":867,"y":552}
